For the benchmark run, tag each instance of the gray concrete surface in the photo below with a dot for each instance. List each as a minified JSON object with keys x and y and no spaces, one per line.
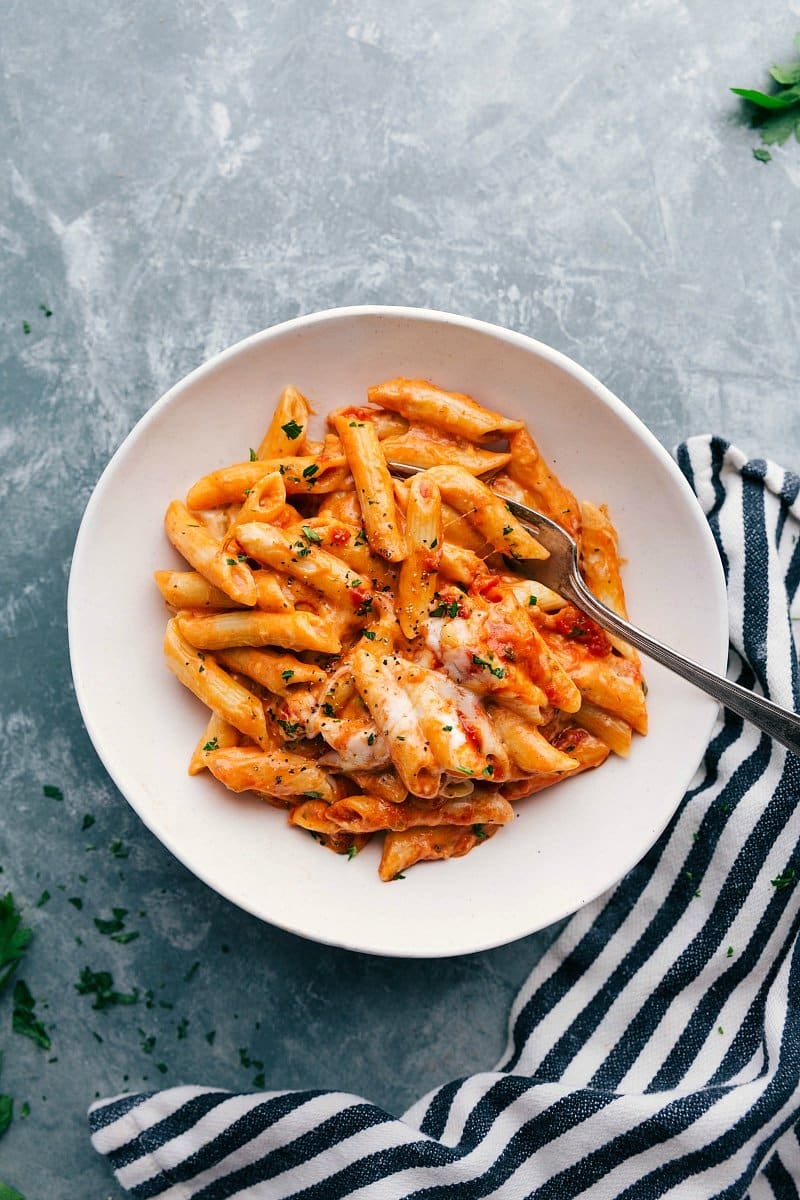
{"x":176,"y":176}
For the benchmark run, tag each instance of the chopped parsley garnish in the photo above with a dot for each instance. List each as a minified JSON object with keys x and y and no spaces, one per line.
{"x":52,"y":793}
{"x":489,"y":770}
{"x":361,"y":539}
{"x":480,"y":832}
{"x":100,"y":984}
{"x":498,"y":672}
{"x":87,"y":822}
{"x":26,"y":326}
{"x":183,"y":1028}
{"x":23,"y":1018}
{"x":313,"y":795}
{"x":447,"y":728}
{"x":231,"y":562}
{"x":117,"y":848}
{"x":114,"y":924}
{"x":212,"y":745}
{"x":507,"y":529}
{"x":287,"y":674}
{"x":371,"y":739}
{"x":761,"y":154}
{"x":292,"y":430}
{"x":310,"y":470}
{"x":445,"y":610}
{"x":531,"y":601}
{"x":354,"y":583}
{"x":369,"y":635}
{"x":356,"y":424}
{"x":45,"y":896}
{"x":786,"y":879}
{"x":328,"y":710}
{"x":398,"y":876}
{"x":6,"y":1114}
{"x":48,"y":312}
{"x":466,"y":771}
{"x":729,"y":952}
{"x":190,"y":974}
{"x":253,"y":455}
{"x":290,"y":728}
{"x":76,"y":902}
{"x":351,"y":853}
{"x":365,"y":607}
{"x":310,"y":534}
{"x":434,"y":543}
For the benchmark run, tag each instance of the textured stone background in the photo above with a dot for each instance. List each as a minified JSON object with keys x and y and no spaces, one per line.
{"x":178,"y":176}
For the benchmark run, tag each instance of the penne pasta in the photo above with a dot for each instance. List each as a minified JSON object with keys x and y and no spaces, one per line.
{"x":286,"y":433}
{"x":372,"y":656}
{"x":218,"y":734}
{"x":487,"y":512}
{"x":373,"y":484}
{"x":293,"y":631}
{"x":206,"y":555}
{"x":215,"y":687}
{"x":416,"y":583}
{"x":454,"y":412}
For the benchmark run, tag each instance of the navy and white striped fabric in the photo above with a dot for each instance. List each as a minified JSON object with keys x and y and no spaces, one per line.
{"x":654,"y":1050}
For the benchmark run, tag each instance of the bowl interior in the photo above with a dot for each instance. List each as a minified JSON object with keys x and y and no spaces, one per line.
{"x":569,"y":843}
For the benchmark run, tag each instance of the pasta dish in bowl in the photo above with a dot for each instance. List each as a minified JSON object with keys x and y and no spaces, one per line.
{"x":361,"y":651}
{"x":369,"y":658}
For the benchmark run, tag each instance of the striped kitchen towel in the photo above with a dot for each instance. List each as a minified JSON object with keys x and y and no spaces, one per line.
{"x":654,"y":1050}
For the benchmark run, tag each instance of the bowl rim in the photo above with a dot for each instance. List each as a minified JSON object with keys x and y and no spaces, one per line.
{"x":433,"y":316}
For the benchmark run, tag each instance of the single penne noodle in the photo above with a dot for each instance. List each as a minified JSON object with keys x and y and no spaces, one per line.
{"x":263,"y":502}
{"x":349,"y":543}
{"x":600,"y":567}
{"x":545,"y":491}
{"x":487,"y":512}
{"x":387,"y":785}
{"x":274,"y":772}
{"x":458,"y":531}
{"x":531,"y":594}
{"x":190,"y":589}
{"x":218,"y":734}
{"x":588,"y":752}
{"x":286,"y":433}
{"x":526,"y":746}
{"x":271,"y":594}
{"x":292,"y":631}
{"x":205,"y":554}
{"x":612,"y":730}
{"x":214,"y":686}
{"x":373,"y":485}
{"x":403,"y":850}
{"x":231,"y":484}
{"x":425,"y":446}
{"x":459,"y":564}
{"x":419,"y":400}
{"x":368,"y":814}
{"x":300,"y":555}
{"x":275,"y":670}
{"x":417,"y":580}
{"x":313,"y":815}
{"x":606,"y":683}
{"x":393,"y":712}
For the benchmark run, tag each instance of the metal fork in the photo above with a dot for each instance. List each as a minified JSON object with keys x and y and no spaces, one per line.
{"x":561,"y":573}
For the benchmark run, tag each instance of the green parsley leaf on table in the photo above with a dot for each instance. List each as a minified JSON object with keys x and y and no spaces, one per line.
{"x":777,"y":114}
{"x":100,"y":984}
{"x":6,"y":1112}
{"x":9,"y":1193}
{"x":24,"y":1020}
{"x":14,"y":937}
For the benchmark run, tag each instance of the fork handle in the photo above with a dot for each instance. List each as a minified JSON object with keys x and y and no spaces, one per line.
{"x":779,"y":723}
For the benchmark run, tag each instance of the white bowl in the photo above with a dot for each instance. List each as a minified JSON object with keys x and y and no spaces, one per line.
{"x":569,"y":843}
